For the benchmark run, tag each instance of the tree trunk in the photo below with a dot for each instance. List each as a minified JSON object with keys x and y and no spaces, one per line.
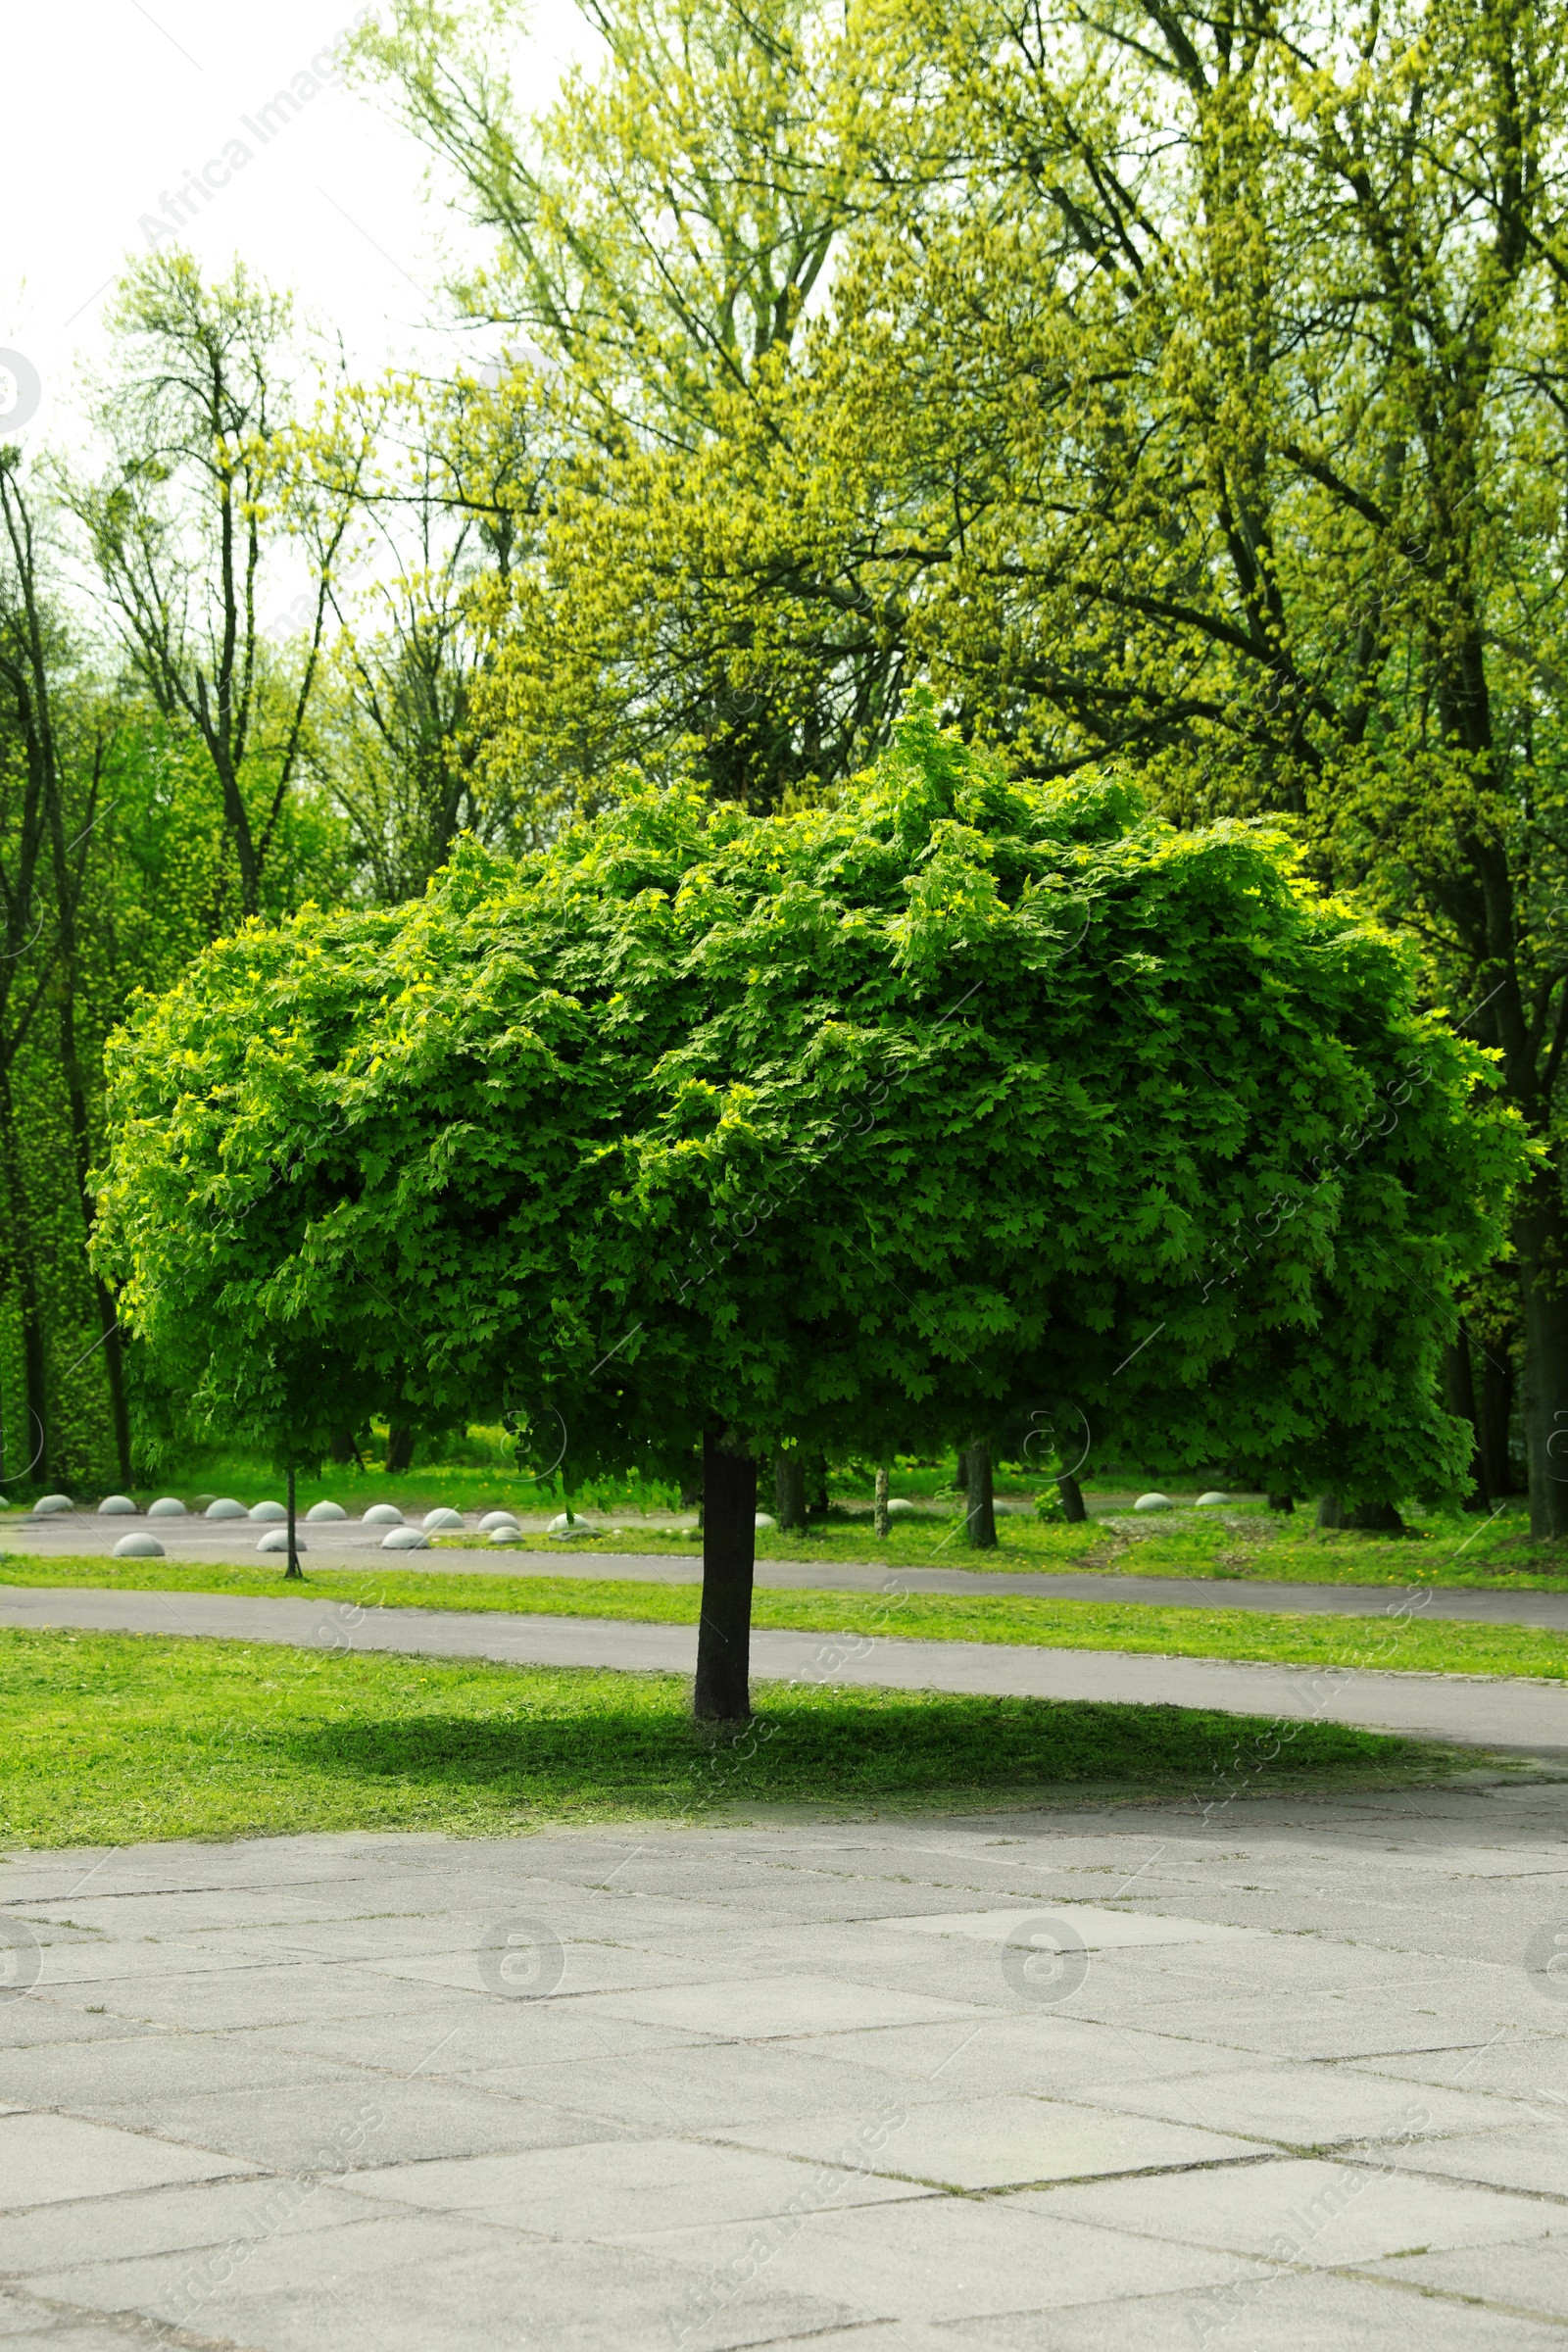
{"x":729,"y":1555}
{"x":817,"y":1487}
{"x":1376,"y":1519}
{"x":881,"y":1523}
{"x":1459,"y":1395}
{"x":1496,"y":1403}
{"x":345,"y":1446}
{"x":1282,"y":1502}
{"x":31,"y":1458}
{"x":1330,"y":1512}
{"x":400,"y":1446}
{"x":1541,"y":1237}
{"x":293,"y":1568}
{"x":789,"y":1489}
{"x":960,"y":1476}
{"x":1072,"y":1497}
{"x":980,"y":1519}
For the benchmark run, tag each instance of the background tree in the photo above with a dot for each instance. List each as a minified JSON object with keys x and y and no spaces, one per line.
{"x":1221,"y":376}
{"x":663,"y":232}
{"x":216,"y":468}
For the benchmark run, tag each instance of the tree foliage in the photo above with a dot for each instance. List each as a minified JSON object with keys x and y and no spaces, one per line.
{"x":825,"y":1129}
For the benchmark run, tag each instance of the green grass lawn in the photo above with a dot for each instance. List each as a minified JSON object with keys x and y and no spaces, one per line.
{"x":110,"y":1737}
{"x":1401,"y":1642}
{"x":1452,"y":1551}
{"x":1246,"y":1540}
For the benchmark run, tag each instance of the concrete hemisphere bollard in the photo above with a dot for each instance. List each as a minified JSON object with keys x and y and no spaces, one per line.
{"x":138,"y":1548}
{"x":900,"y":1507}
{"x":49,"y":1506}
{"x":767,"y":1525}
{"x":405,"y":1539}
{"x":225,"y":1507}
{"x":277,"y":1540}
{"x":444,"y":1522}
{"x":117,"y":1506}
{"x":167,"y":1506}
{"x":320,"y":1512}
{"x":494,"y":1519}
{"x":1153,"y":1503}
{"x":382,"y":1514}
{"x":1211,"y":1500}
{"x":270,"y":1512}
{"x":505,"y":1535}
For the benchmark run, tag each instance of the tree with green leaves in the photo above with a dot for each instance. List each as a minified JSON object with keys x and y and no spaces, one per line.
{"x":816,"y":1132}
{"x":220,"y":468}
{"x":663,"y":234}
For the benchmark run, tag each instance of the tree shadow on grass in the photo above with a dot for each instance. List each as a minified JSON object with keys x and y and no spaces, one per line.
{"x":816,"y":1748}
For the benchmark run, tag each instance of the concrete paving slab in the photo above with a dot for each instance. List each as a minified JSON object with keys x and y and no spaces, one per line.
{"x":27,"y":2325}
{"x":1310,"y":2106}
{"x":215,"y":2215}
{"x":1513,"y":2064}
{"x":1397,"y":1913}
{"x":1532,"y":2276}
{"x":91,"y":2077}
{"x":950,"y":2259}
{"x":330,"y":2129}
{"x":1533,"y":2155}
{"x":749,"y":2011}
{"x":1043,"y":2053}
{"x":480,"y":2036}
{"x":1097,"y":1930}
{"x":997,"y":2142}
{"x":1319,"y":2314}
{"x":1307,"y":2209}
{"x":608,"y":2190}
{"x":1489,"y":1712}
{"x":443,"y":2283}
{"x":698,"y":2088}
{"x":45,"y":2158}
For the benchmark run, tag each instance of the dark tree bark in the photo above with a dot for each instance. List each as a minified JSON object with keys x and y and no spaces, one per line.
{"x":1072,"y":1497}
{"x":1495,"y":1401}
{"x":816,"y":1486}
{"x":1376,"y":1519}
{"x":1282,"y":1502}
{"x":789,"y":1489}
{"x":1459,"y":1395}
{"x":345,"y":1446}
{"x":1540,"y":1236}
{"x":1330,"y":1512}
{"x":729,"y":1557}
{"x":960,"y":1477}
{"x":34,"y":1455}
{"x":400,"y":1446}
{"x":980,"y":1519}
{"x":293,"y":1568}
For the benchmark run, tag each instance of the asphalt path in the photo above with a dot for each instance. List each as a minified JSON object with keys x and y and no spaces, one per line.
{"x":349,"y":1544}
{"x":1470,"y":1710}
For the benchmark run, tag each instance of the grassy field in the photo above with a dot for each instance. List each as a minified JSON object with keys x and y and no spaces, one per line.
{"x":107,"y":1738}
{"x":1447,"y":1551}
{"x":1246,"y":1540}
{"x":1399,"y":1641}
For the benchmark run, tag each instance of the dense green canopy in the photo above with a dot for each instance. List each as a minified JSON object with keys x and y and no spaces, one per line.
{"x":836,"y":1128}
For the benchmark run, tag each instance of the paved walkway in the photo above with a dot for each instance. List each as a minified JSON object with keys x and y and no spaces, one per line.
{"x":1102,"y":2080}
{"x":1476,"y":1710}
{"x":348,"y":1544}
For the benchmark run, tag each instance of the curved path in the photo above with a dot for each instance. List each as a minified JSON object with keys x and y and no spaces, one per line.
{"x":1473,"y":1710}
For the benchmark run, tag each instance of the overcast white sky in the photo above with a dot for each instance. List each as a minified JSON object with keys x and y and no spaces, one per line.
{"x":115,"y":104}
